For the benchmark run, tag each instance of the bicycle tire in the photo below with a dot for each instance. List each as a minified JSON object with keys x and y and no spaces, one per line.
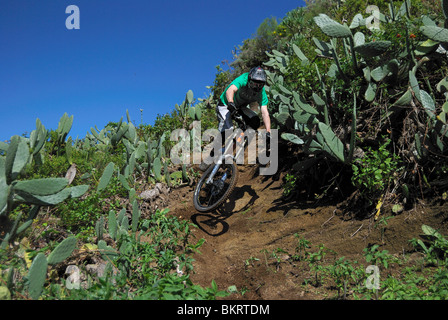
{"x":232,"y":180}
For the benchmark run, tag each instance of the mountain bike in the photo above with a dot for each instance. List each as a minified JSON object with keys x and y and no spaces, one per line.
{"x":219,"y":179}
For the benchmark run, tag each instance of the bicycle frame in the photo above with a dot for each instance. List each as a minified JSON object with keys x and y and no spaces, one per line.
{"x":241,"y":145}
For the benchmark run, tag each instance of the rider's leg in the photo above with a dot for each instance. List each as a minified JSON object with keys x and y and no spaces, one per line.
{"x":225,"y":122}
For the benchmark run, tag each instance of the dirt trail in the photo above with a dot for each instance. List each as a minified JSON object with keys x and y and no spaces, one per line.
{"x":249,"y":242}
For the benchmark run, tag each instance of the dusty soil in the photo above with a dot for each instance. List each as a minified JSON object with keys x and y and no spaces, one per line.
{"x":256,"y":222}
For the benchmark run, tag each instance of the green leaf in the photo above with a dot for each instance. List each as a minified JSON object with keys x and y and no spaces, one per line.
{"x":112,"y":224}
{"x":427,"y":101}
{"x":106,"y":251}
{"x":300,"y":54}
{"x":435,"y":33}
{"x":78,"y":191}
{"x":135,"y":215}
{"x":332,"y":28}
{"x":189,"y":96}
{"x":107,"y":175}
{"x":379,"y":73}
{"x":373,"y":49}
{"x":16,"y":158}
{"x":285,"y":90}
{"x":282,"y":117}
{"x":442,"y":86}
{"x":359,"y":39}
{"x":41,"y":187}
{"x":405,"y":99}
{"x":318,"y":100}
{"x":304,"y":117}
{"x":4,"y":193}
{"x":303,"y":105}
{"x":37,"y":275}
{"x":43,"y":200}
{"x":157,"y":167}
{"x":62,"y":251}
{"x":431,"y":232}
{"x":292,"y":138}
{"x":370,"y":92}
{"x":333,"y":143}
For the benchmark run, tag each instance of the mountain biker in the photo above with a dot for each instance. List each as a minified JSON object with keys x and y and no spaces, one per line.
{"x":246,"y":89}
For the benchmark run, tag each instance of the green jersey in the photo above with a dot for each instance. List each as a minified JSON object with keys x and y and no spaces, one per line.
{"x":244,"y":95}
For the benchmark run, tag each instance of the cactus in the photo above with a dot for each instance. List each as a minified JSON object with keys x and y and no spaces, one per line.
{"x":62,"y":251}
{"x":121,"y":216}
{"x":44,"y":191}
{"x":99,"y":228}
{"x":157,"y":168}
{"x":37,"y":275}
{"x":108,"y":253}
{"x":292,"y":138}
{"x":38,"y":138}
{"x":435,"y":33}
{"x":331,"y":28}
{"x":432,"y":31}
{"x":106,"y":176}
{"x":135,"y":215}
{"x":186,"y":110}
{"x":330,"y":142}
{"x":38,"y":270}
{"x":16,"y":158}
{"x":4,"y":192}
{"x":69,"y":150}
{"x":40,"y":187}
{"x":64,"y":127}
{"x":184,"y":173}
{"x":112,"y":225}
{"x":373,"y":49}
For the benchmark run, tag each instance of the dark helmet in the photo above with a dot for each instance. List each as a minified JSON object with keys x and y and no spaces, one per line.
{"x":257,"y":78}
{"x":257,"y":74}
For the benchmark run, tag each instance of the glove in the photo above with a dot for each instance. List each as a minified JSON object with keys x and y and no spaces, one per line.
{"x":231,"y":107}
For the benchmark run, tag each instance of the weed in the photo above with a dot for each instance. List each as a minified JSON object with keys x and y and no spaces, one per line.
{"x":373,"y":173}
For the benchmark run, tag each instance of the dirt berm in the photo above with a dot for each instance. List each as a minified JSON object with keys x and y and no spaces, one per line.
{"x":251,"y":240}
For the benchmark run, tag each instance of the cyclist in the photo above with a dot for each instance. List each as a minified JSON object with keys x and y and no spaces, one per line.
{"x":244,"y":90}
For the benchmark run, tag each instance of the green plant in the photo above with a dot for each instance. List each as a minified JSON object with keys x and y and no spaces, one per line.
{"x":145,"y":253}
{"x":342,"y":271}
{"x":382,"y":224}
{"x":303,"y":244}
{"x":376,"y":257}
{"x":290,"y":184}
{"x":37,"y":273}
{"x":37,"y":192}
{"x":436,"y":247}
{"x":373,"y":173}
{"x":58,"y":144}
{"x":315,"y":262}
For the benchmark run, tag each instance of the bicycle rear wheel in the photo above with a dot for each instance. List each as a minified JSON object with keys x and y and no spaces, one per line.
{"x":208,"y":197}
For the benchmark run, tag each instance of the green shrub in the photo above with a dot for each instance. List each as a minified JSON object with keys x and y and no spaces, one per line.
{"x":373,"y":173}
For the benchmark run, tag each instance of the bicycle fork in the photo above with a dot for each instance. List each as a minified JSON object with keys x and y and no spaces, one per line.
{"x":240,"y":141}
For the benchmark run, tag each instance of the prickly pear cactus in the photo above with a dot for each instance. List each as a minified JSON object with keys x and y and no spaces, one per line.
{"x":37,"y":275}
{"x":62,"y":251}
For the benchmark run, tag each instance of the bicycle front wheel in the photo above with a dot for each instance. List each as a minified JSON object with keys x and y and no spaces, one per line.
{"x":209,"y":196}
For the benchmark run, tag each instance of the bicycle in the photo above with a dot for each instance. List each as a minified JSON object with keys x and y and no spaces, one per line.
{"x":219,"y":179}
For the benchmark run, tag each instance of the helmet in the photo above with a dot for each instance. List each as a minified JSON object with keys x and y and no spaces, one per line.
{"x":257,"y":74}
{"x":257,"y":78}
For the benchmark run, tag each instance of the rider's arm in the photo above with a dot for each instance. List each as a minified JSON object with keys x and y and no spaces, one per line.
{"x":266,"y":118}
{"x":230,"y":93}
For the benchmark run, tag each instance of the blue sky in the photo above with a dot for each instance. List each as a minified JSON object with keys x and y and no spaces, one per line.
{"x":126,"y":55}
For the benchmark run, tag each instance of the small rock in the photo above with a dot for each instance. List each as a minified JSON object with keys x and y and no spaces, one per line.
{"x":154,"y":193}
{"x":73,"y":281}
